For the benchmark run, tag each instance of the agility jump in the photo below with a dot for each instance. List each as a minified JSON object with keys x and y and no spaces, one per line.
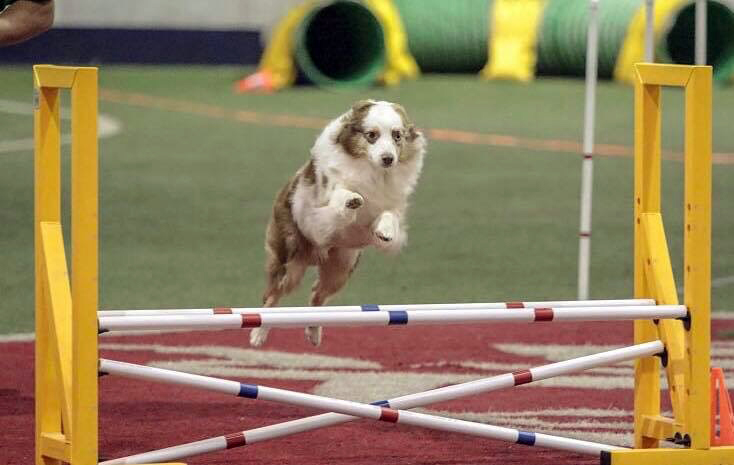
{"x":666,"y":332}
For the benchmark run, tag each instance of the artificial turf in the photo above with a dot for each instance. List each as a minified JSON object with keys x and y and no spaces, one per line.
{"x":185,"y":196}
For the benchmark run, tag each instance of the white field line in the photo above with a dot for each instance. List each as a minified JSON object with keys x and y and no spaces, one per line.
{"x":716,"y":282}
{"x":107,"y":126}
{"x":254,"y":357}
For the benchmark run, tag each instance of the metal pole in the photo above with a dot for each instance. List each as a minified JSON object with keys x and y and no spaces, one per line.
{"x":701,"y":32}
{"x":587,"y":167}
{"x":649,"y":31}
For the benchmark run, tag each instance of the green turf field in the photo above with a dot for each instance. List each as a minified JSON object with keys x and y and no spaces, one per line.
{"x":185,"y":194}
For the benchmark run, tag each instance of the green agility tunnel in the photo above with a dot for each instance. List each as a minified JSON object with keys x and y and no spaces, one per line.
{"x":341,"y":43}
{"x":353,"y":43}
{"x":562,"y":36}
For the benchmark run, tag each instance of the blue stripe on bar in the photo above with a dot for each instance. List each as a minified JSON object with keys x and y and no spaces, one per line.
{"x":526,"y":438}
{"x":248,"y":390}
{"x":370,"y":308}
{"x":381,"y":403}
{"x":398,"y":317}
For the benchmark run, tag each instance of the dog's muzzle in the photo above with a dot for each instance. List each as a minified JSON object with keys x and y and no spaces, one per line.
{"x":387,"y":160}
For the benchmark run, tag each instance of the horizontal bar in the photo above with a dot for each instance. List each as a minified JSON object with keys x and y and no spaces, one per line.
{"x":364,"y":308}
{"x":54,"y":76}
{"x":329,"y":419}
{"x":392,"y":317}
{"x":659,"y":74}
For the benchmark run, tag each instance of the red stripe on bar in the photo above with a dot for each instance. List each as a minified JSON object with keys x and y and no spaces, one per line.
{"x":514,"y":305}
{"x":251,"y":320}
{"x":587,"y":156}
{"x":522,"y":377}
{"x":222,"y":311}
{"x":389,"y":415}
{"x":543,"y":314}
{"x":235,"y":440}
{"x":585,"y":234}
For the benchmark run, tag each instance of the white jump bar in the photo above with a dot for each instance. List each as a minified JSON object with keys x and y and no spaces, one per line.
{"x":364,"y":308}
{"x":391,"y":317}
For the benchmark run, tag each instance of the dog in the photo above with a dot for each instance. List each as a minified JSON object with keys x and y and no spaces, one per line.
{"x":352,"y":193}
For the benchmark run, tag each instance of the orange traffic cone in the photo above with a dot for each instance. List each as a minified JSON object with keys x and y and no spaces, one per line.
{"x":261,"y":81}
{"x":722,"y":418}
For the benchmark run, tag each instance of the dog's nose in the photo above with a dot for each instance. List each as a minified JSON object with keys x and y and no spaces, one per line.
{"x":387,"y":159}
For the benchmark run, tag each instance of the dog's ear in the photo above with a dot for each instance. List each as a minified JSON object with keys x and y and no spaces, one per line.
{"x":415,"y":144}
{"x":345,"y":131}
{"x":412,"y":133}
{"x":358,"y":112}
{"x":400,"y":110}
{"x":352,"y":119}
{"x":361,"y":106}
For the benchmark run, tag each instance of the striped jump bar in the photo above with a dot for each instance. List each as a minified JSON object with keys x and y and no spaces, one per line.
{"x":329,"y":419}
{"x":372,"y":307}
{"x":390,"y":317}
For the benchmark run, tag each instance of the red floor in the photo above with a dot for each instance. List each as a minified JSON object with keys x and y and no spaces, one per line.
{"x":137,"y":416}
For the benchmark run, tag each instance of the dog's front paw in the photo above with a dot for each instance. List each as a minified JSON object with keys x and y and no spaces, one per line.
{"x":313,"y":335}
{"x":354,"y":201}
{"x":346,"y":203}
{"x":258,"y":336}
{"x":384,"y":236}
{"x":386,"y":229}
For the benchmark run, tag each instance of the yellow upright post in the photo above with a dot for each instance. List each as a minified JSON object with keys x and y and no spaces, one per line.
{"x":66,"y":312}
{"x":66,"y":316}
{"x":647,"y":198}
{"x":84,"y":263}
{"x":47,"y":206}
{"x":697,"y":250}
{"x":687,"y":345}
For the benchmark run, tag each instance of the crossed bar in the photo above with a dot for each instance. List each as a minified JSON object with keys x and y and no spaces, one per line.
{"x":391,"y":410}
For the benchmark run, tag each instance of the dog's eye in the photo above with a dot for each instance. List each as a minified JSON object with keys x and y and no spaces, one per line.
{"x":372,"y":135}
{"x":397,"y":135}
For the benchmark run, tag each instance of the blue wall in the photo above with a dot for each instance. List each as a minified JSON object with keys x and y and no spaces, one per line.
{"x":165,"y":46}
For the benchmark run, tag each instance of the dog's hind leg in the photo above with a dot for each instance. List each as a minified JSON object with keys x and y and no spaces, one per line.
{"x":281,"y":278}
{"x":334,"y":272}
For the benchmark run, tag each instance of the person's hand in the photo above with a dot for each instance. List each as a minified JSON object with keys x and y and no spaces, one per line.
{"x":25,"y":19}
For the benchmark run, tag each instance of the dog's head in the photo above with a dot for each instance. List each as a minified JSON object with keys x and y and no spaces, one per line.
{"x":380,"y":132}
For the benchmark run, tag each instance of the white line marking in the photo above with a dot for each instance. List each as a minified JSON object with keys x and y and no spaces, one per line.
{"x":251,"y":357}
{"x":716,"y":282}
{"x":107,"y":126}
{"x":18,"y":337}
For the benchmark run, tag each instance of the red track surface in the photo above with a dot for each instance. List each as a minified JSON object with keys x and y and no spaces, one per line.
{"x":137,"y":416}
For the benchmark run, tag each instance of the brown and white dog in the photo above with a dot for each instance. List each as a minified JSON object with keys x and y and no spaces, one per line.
{"x":353,"y":192}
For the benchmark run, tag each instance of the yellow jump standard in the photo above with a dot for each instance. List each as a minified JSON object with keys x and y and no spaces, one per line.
{"x":66,"y":312}
{"x":687,"y":344}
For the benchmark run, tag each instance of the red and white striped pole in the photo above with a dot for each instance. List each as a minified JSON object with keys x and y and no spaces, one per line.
{"x":587,"y":165}
{"x":372,"y":307}
{"x":378,"y":318}
{"x":328,"y":419}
